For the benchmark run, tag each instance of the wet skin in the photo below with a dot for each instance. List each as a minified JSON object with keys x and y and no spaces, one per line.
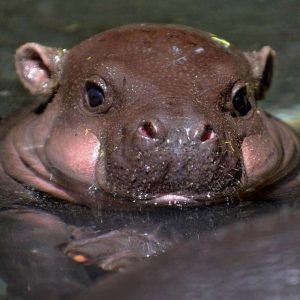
{"x":147,"y":115}
{"x":140,"y":117}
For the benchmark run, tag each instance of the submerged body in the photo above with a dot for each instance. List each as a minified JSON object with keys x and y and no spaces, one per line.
{"x":258,"y":260}
{"x":147,"y":115}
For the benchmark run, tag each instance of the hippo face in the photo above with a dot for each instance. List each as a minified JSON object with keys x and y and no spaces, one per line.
{"x":148,"y":114}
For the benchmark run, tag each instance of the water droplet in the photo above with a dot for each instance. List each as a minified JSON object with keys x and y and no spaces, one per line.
{"x":92,"y":189}
{"x":175,"y":50}
{"x":181,"y":60}
{"x":199,"y":50}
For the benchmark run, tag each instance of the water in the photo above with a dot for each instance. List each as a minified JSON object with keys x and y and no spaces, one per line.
{"x":3,"y":287}
{"x":248,"y":24}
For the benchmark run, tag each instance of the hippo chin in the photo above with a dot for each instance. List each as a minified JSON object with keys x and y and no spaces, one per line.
{"x":147,"y":115}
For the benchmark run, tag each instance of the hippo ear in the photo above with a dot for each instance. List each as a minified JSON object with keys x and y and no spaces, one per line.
{"x":39,"y":67}
{"x":262,"y":63}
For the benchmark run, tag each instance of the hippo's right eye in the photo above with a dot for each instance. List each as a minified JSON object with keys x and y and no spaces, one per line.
{"x":95,"y":99}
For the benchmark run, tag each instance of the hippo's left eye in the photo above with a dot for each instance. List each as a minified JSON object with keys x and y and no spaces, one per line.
{"x":95,"y":98}
{"x":240,"y":103}
{"x":95,"y":95}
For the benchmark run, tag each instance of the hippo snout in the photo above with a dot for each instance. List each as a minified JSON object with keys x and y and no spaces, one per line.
{"x":160,"y":154}
{"x":175,"y":132}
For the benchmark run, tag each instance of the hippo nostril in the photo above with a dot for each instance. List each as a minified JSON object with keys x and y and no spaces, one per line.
{"x":148,"y":130}
{"x":207,"y":134}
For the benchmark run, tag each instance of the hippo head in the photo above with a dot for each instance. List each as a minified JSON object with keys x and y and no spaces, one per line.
{"x":147,"y":114}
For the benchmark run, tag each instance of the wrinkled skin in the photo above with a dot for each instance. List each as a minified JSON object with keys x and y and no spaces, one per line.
{"x":167,"y":132}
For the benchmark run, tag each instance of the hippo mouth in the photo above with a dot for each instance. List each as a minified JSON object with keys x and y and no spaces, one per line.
{"x":178,"y":199}
{"x":181,"y":197}
{"x":190,"y":199}
{"x":223,"y":187}
{"x":171,"y":199}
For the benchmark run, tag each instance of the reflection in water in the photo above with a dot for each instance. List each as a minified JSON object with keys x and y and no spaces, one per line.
{"x":34,"y":239}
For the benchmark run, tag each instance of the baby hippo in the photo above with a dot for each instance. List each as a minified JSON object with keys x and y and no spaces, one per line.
{"x":148,"y":115}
